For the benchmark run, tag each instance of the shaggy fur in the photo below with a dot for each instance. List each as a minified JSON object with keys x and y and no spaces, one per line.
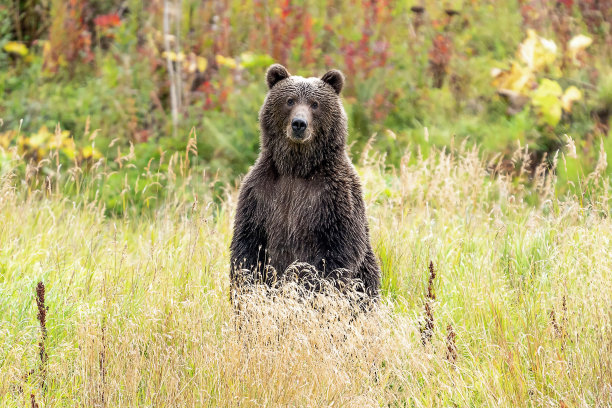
{"x":302,"y":199}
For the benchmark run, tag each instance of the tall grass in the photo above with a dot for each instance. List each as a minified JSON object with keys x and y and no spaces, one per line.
{"x":138,"y":311}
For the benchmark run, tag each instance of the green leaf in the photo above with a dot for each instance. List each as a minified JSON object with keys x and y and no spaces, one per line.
{"x":546,"y":100}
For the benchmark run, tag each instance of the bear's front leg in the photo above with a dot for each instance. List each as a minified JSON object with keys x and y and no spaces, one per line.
{"x":248,"y":247}
{"x":341,"y":237}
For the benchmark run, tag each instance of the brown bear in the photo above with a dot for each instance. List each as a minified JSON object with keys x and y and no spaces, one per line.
{"x":302,"y":200}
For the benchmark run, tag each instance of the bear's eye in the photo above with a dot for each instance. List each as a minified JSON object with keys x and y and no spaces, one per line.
{"x":290,"y":102}
{"x":314,"y":105}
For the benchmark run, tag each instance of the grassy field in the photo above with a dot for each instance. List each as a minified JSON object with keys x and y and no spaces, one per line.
{"x":136,"y":309}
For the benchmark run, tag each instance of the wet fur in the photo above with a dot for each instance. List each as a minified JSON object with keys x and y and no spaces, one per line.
{"x":303,"y":201}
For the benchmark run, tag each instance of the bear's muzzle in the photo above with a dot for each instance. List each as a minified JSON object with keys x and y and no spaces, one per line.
{"x":299,"y":129}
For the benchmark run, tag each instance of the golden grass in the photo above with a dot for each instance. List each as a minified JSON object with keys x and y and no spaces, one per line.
{"x":139,"y":311}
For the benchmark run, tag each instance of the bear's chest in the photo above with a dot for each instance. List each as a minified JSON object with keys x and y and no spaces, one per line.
{"x":292,"y":213}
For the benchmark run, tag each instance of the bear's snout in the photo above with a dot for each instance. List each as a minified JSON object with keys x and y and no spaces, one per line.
{"x":298,"y":125}
{"x":299,"y":129}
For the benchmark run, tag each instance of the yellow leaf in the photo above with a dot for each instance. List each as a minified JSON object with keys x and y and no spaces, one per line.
{"x":577,"y":44}
{"x":190,"y":63}
{"x":23,"y":142}
{"x":537,"y":52}
{"x":173,"y":56}
{"x":69,"y":151}
{"x":495,"y":72}
{"x":13,"y":47}
{"x":59,"y":140}
{"x":226,"y":61}
{"x":91,"y":152}
{"x":571,"y":95}
{"x":547,"y":103}
{"x":7,"y":137}
{"x":201,"y":63}
{"x":40,"y":138}
{"x":518,"y":79}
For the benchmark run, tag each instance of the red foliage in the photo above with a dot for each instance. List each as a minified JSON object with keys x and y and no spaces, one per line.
{"x":372,"y":49}
{"x":107,"y":20}
{"x":439,"y":58}
{"x":596,"y":13}
{"x":290,"y":23}
{"x":309,"y":40}
{"x":69,"y":39}
{"x":216,"y":94}
{"x":280,"y":30}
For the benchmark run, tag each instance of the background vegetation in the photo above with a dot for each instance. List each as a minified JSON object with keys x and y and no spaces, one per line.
{"x":115,"y":74}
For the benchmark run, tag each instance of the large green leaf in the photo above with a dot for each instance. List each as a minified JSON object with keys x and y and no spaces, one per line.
{"x":546,"y":100}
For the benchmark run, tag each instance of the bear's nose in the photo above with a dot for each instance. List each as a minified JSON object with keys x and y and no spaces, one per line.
{"x":298,"y":125}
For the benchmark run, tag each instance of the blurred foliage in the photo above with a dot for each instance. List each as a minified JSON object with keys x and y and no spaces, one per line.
{"x":419,"y":74}
{"x":39,"y":145}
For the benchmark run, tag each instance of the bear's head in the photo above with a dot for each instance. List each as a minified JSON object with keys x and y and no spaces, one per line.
{"x":302,"y":120}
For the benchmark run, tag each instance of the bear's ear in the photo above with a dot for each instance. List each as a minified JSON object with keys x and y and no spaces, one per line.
{"x":335,"y":79}
{"x":276,"y":73}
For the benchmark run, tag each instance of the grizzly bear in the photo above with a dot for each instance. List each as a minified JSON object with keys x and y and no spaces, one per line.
{"x":302,"y":200}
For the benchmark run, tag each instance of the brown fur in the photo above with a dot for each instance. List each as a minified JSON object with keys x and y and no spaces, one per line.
{"x":302,"y":200}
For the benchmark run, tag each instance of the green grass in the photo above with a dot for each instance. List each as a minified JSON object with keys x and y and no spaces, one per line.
{"x":139,"y":312}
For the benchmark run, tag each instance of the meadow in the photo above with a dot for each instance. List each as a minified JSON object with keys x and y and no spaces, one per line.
{"x":496,"y":292}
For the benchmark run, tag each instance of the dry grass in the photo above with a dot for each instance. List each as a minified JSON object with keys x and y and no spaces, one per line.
{"x":139,"y":313}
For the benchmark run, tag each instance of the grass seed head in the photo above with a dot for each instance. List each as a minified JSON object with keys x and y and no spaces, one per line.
{"x":33,"y":402}
{"x":451,"y":346}
{"x":428,"y":326}
{"x":42,"y":309}
{"x":432,"y":275}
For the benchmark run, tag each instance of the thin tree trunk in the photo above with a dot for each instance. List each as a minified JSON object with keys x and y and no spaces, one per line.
{"x":17,"y":18}
{"x":170,"y":66}
{"x":178,"y":9}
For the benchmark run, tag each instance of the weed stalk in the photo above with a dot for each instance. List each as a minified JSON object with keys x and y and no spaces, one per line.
{"x":428,"y":326}
{"x":42,"y":319}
